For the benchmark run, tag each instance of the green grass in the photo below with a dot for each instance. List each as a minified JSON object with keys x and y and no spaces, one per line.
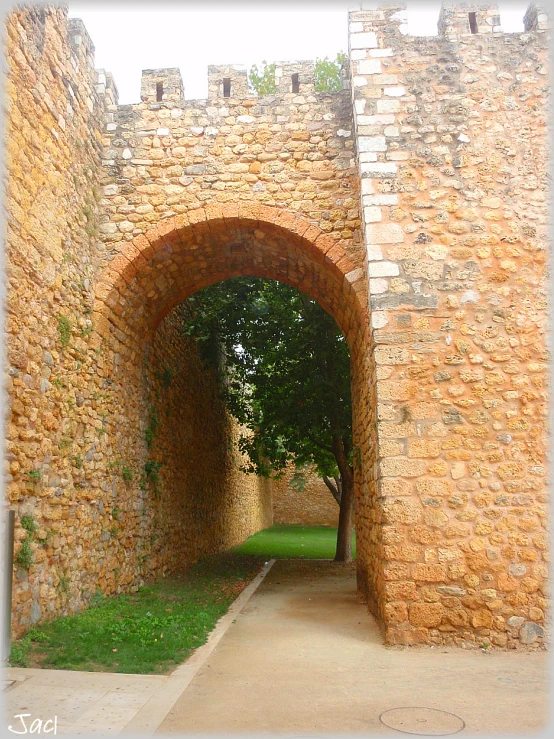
{"x":289,"y":541}
{"x":150,"y":631}
{"x":155,"y":629}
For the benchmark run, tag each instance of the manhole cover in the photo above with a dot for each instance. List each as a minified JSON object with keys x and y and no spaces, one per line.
{"x":426,"y":721}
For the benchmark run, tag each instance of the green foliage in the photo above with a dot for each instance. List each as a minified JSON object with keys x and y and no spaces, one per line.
{"x":29,"y":524}
{"x":47,"y":539}
{"x":165,"y":376}
{"x":263,"y":82}
{"x":64,"y":330}
{"x":298,"y":481}
{"x":97,"y":599}
{"x":19,"y":652}
{"x":152,"y":428}
{"x":151,"y":470}
{"x":287,"y":371}
{"x":65,"y":442}
{"x":126,"y":473}
{"x":34,"y":475}
{"x":115,"y":513}
{"x":148,"y":632}
{"x":63,"y":583}
{"x":327,"y":74}
{"x":25,"y":558}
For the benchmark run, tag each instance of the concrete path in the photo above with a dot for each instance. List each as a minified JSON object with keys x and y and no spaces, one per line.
{"x":299,"y":654}
{"x":305,"y":656}
{"x":106,"y":703}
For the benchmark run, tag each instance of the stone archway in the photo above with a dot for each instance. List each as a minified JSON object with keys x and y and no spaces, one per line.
{"x":138,"y":292}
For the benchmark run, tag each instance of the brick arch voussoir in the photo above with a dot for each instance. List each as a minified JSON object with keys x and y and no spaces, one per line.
{"x":135,"y":255}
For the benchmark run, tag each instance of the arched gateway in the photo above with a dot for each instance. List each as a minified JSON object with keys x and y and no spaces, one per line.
{"x":412,"y":205}
{"x":155,"y":272}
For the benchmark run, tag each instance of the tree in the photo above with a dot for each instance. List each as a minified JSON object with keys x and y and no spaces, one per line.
{"x":285,"y":373}
{"x":263,"y":82}
{"x":327,"y":74}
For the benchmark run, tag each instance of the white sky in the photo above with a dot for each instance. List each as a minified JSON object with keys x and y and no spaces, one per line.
{"x":130,"y":37}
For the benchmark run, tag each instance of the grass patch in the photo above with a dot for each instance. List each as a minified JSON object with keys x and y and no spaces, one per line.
{"x":155,"y":629}
{"x":284,"y":541}
{"x":147,"y":632}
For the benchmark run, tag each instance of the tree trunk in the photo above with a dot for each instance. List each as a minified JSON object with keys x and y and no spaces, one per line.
{"x":344,"y":533}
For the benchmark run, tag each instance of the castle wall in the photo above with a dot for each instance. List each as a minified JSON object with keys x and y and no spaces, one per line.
{"x":100,"y":523}
{"x":53,"y":131}
{"x":311,"y":505}
{"x":201,"y":502}
{"x":412,"y":207}
{"x":452,"y":154}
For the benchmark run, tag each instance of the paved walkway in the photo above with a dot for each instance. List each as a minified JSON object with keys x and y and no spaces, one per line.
{"x":303,"y":655}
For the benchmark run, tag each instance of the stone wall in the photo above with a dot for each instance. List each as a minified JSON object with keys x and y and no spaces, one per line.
{"x":452,"y":154}
{"x":201,"y":503}
{"x":312,"y":506}
{"x":54,"y":120}
{"x":69,"y":467}
{"x":419,"y":195}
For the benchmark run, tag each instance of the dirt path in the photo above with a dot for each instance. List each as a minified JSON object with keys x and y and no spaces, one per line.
{"x":305,"y":656}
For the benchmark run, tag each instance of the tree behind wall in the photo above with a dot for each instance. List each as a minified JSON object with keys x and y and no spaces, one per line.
{"x":285,"y":372}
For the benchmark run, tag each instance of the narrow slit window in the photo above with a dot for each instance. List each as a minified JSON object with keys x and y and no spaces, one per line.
{"x":226,"y":87}
{"x":159,"y":91}
{"x":295,"y":82}
{"x":473,"y":22}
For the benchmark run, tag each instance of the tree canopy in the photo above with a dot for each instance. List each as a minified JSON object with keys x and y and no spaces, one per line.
{"x":327,"y":76}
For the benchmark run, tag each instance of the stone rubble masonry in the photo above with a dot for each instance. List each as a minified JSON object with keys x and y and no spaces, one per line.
{"x":412,"y":205}
{"x":456,"y":129}
{"x":162,"y":85}
{"x":236,"y":74}
{"x":203,"y":503}
{"x":314,"y":505}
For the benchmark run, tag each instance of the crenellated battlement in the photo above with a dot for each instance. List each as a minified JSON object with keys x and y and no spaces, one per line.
{"x":536,"y":18}
{"x":460,"y":20}
{"x":162,"y":86}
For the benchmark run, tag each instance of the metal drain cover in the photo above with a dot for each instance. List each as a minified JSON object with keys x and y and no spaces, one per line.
{"x":425,"y":721}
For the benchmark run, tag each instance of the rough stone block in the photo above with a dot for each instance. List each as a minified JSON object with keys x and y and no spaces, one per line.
{"x":379,"y":319}
{"x":372,"y":214}
{"x":372,"y":143}
{"x":386,"y":233}
{"x":363,"y":40}
{"x":424,"y":448}
{"x":378,"y":285}
{"x":388,"y":106}
{"x":401,"y":511}
{"x":391,"y":355}
{"x":429,"y":572}
{"x":382,"y":269}
{"x":426,"y":614}
{"x":369,"y":66}
{"x":402,"y":467}
{"x":378,"y":170}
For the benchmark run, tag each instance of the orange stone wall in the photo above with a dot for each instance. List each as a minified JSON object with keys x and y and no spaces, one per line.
{"x":314,"y":505}
{"x":412,"y":206}
{"x":452,"y":153}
